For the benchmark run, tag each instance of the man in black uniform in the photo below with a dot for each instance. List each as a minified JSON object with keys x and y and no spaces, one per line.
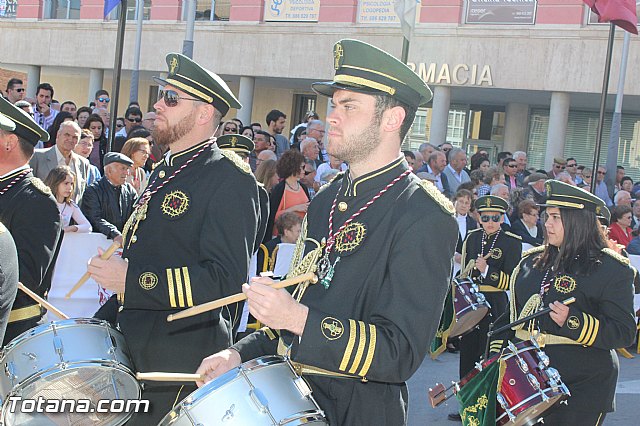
{"x":29,"y":211}
{"x":365,"y":328}
{"x":189,"y":238}
{"x":8,"y":275}
{"x":495,"y":254}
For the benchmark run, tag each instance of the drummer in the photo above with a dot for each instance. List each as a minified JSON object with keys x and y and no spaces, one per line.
{"x":365,"y":328}
{"x":495,"y":253}
{"x":580,"y":339}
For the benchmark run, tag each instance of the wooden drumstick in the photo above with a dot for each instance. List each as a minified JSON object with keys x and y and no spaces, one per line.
{"x":106,"y":255}
{"x":215,"y":304}
{"x":42,"y":302}
{"x":169,"y":377}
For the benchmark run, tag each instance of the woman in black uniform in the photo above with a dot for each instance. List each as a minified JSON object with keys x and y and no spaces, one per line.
{"x":580,"y":339}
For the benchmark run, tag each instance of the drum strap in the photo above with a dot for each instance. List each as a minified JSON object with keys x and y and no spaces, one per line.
{"x":25,"y":313}
{"x":545,"y":339}
{"x":489,"y":289}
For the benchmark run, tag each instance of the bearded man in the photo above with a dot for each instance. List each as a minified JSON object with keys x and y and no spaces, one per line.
{"x":189,"y":238}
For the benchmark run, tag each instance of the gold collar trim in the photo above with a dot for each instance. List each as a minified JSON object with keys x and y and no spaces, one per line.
{"x":187,"y":151}
{"x":373,"y":174}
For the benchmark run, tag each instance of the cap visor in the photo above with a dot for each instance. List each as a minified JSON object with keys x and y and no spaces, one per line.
{"x":7,"y":124}
{"x":160,"y":81}
{"x":327,"y":88}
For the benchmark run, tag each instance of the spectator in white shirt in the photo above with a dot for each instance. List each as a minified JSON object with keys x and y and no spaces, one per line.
{"x":61,"y":181}
{"x":455,"y":172}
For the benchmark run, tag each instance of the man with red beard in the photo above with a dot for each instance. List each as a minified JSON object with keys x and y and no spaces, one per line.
{"x":189,"y":238}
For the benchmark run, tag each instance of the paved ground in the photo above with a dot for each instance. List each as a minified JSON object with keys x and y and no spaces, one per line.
{"x":445,"y":369}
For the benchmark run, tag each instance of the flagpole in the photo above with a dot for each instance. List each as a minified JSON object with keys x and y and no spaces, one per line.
{"x":405,"y":50}
{"x":117,"y":70}
{"x":603,"y":104}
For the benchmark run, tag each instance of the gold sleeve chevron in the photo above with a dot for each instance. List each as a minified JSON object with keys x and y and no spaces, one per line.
{"x":503,"y":282}
{"x":590,"y":328}
{"x":496,"y":346}
{"x":179,"y":287}
{"x":360,"y":349}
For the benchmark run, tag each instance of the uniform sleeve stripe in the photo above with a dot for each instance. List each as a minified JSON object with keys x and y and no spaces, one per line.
{"x":179,"y":288}
{"x":172,"y":296}
{"x":594,"y":333}
{"x":361,"y":344}
{"x":352,"y":341}
{"x":370,"y":351}
{"x":265,"y":261}
{"x":187,"y":286}
{"x":586,"y":327}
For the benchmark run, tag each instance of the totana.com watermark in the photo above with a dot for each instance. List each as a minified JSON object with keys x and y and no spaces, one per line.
{"x":42,"y":405}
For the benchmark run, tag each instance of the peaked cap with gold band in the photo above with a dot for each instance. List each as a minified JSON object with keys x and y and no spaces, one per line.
{"x":239,"y":144}
{"x":24,"y":125}
{"x":565,"y":196}
{"x":7,"y":124}
{"x":191,"y":78}
{"x":361,"y":67}
{"x":491,"y":203}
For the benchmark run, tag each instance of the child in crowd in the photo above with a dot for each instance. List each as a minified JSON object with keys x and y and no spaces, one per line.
{"x":61,"y":180}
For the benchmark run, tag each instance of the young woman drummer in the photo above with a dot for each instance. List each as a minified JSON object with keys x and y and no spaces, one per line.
{"x":580,"y":339}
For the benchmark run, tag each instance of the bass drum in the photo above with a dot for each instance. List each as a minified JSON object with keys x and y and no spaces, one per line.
{"x":79,"y":361}
{"x":264,"y":391}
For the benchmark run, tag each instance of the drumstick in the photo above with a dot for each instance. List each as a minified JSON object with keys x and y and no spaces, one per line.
{"x":215,"y":304}
{"x":42,"y":302}
{"x":169,"y":377}
{"x":106,"y":255}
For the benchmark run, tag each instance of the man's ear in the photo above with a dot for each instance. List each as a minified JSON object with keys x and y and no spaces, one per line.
{"x":205,"y":114}
{"x":393,"y":118}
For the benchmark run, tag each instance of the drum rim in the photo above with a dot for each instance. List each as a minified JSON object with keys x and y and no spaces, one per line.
{"x":561,"y":396}
{"x":72,"y":366}
{"x":47,"y":326}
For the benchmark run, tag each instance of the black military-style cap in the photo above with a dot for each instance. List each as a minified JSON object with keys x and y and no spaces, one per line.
{"x":237,"y":143}
{"x":116,"y":157}
{"x":188,"y":76}
{"x":491,"y":203}
{"x":361,"y":67}
{"x":604,"y":216}
{"x":24,"y":125}
{"x":6,"y":124}
{"x":565,"y":196}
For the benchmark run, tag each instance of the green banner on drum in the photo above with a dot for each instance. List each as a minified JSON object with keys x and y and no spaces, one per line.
{"x":478,"y":397}
{"x":448,"y":318}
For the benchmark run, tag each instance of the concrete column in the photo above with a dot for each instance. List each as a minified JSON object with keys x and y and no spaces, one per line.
{"x":515,"y":127}
{"x":33,"y":79}
{"x":558,"y":119}
{"x":245,"y":96}
{"x":440,"y":114}
{"x":96,"y":77}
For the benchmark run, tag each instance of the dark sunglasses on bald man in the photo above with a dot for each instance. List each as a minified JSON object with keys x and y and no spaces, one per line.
{"x":171,"y":98}
{"x":486,"y":218}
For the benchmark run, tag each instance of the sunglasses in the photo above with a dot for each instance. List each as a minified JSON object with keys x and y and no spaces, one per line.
{"x":119,"y":126}
{"x":135,"y":120}
{"x":587,"y":176}
{"x":230,"y":129}
{"x":572,"y":165}
{"x":557,"y":166}
{"x":171,"y":98}
{"x":107,"y":100}
{"x":602,"y":173}
{"x":486,"y":218}
{"x":306,"y":173}
{"x":19,"y":90}
{"x":512,"y":166}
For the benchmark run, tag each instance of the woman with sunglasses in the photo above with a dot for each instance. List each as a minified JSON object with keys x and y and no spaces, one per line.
{"x":228,"y":128}
{"x":495,"y":253}
{"x":580,"y":339}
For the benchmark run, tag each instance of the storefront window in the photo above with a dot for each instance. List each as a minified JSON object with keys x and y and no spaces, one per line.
{"x":221,"y":9}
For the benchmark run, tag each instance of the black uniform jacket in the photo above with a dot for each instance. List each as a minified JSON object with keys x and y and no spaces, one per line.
{"x":8,"y":276}
{"x":505,"y":255}
{"x":108,"y":207}
{"x":600,"y":320}
{"x":30,"y":213}
{"x":193,"y":247}
{"x":376,"y":320}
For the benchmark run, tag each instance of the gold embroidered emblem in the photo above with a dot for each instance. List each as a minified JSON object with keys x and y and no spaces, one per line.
{"x":494,"y":276}
{"x":432,"y":191}
{"x":161,"y":174}
{"x":234,"y":141}
{"x":496,"y":253}
{"x":148,"y":280}
{"x":173,"y":65}
{"x":332,"y":328}
{"x":338,"y":55}
{"x":573,"y":323}
{"x":175,"y":204}
{"x":598,"y":209}
{"x":488,"y":202}
{"x":342,"y":206}
{"x":548,"y":187}
{"x":350,"y":237}
{"x":564,"y":284}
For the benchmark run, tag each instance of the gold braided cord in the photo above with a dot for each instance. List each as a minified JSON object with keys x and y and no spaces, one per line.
{"x":531,"y":307}
{"x":299,"y":249}
{"x":512,"y":289}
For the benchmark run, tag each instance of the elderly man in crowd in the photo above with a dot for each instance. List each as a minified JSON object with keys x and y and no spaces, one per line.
{"x":310,"y":149}
{"x":435,"y":166}
{"x":262,"y":142}
{"x":62,"y":154}
{"x":601,"y":187}
{"x":455,"y":172}
{"x":572,"y":169}
{"x":559,"y":165}
{"x":315,"y":129}
{"x":510,"y":168}
{"x":108,"y":203}
{"x":521,"y":162}
{"x":535,"y":185}
{"x":622,"y":198}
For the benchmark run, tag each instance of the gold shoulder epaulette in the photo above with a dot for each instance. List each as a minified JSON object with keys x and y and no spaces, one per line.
{"x":40,"y":186}
{"x":533,"y":250}
{"x":511,"y":234}
{"x":326,"y":185}
{"x":260,"y":184}
{"x":432,"y":191}
{"x":235,"y":159}
{"x":154,"y":165}
{"x":3,"y":229}
{"x":620,"y":258}
{"x":474,"y":230}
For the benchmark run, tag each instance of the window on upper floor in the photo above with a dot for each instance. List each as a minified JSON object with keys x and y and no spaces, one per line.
{"x":221,"y":9}
{"x":61,"y":9}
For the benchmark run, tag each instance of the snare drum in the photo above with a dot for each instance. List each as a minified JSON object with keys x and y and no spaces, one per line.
{"x":529,"y":386}
{"x":470,"y":306}
{"x":264,"y":391}
{"x":76,"y":359}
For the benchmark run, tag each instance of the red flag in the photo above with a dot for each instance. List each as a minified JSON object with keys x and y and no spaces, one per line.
{"x":619,"y":12}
